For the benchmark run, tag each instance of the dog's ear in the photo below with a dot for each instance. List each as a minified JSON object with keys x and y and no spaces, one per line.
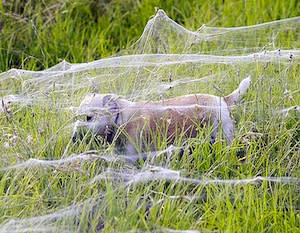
{"x":111,"y":102}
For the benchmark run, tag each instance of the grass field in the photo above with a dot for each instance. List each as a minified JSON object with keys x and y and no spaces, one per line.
{"x":48,"y":184}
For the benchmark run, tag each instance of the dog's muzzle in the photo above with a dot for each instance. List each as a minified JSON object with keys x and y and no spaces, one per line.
{"x":77,"y":136}
{"x":79,"y":131}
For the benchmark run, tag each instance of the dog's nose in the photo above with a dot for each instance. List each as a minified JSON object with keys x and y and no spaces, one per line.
{"x":77,"y":136}
{"x":74,"y":137}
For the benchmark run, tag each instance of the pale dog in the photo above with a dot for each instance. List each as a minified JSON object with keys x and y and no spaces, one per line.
{"x":137,"y":122}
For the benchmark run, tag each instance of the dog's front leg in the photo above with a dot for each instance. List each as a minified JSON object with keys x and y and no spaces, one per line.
{"x":130,"y":148}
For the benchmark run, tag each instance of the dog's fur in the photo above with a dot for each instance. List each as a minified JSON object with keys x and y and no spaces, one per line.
{"x":139,"y":121}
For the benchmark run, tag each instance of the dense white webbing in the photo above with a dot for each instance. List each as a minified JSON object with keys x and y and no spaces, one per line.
{"x":167,"y":60}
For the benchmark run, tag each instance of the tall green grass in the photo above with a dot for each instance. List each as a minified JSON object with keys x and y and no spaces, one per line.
{"x":83,"y":30}
{"x":38,"y":34}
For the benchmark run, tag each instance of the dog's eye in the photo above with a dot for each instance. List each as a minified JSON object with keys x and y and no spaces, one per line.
{"x":88,"y":118}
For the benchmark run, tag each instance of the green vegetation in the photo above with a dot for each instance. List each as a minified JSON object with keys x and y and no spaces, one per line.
{"x":39,"y":34}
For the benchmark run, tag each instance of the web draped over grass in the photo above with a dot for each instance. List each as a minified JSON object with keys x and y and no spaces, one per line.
{"x":49,"y":184}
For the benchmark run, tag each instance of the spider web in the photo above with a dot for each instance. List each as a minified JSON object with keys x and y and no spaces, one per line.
{"x":167,"y":60}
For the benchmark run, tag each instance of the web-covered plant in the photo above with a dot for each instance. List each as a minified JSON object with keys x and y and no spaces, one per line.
{"x":39,"y":110}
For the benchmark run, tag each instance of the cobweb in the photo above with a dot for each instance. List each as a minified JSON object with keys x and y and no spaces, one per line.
{"x":167,"y":60}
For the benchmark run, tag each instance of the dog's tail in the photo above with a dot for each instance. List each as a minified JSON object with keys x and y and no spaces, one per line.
{"x":232,"y":98}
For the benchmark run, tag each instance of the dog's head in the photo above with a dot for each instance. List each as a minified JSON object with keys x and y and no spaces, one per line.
{"x":100,"y":112}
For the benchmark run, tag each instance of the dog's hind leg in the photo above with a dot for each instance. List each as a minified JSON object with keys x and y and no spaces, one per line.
{"x":227,"y":126}
{"x":228,"y":130}
{"x":225,"y":122}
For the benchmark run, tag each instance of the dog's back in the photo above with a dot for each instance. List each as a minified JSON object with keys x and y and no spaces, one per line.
{"x":209,"y":100}
{"x":200,"y":99}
